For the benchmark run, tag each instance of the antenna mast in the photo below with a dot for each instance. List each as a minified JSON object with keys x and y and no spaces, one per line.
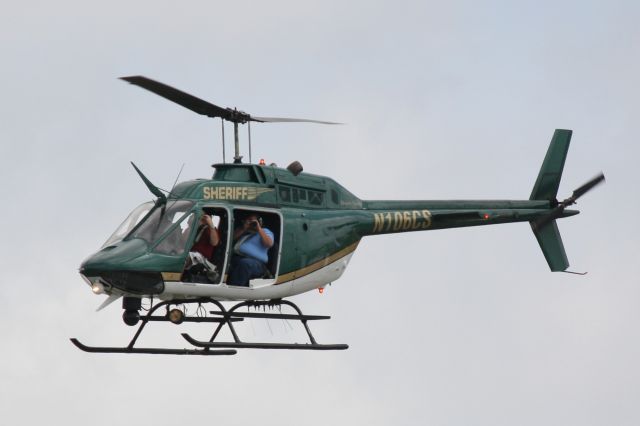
{"x":236,"y":158}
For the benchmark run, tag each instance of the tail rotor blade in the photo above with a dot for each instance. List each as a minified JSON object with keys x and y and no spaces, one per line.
{"x":559,"y":210}
{"x":588,"y":186}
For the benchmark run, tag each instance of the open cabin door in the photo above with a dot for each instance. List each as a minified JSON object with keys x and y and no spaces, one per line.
{"x":272,"y":221}
{"x":210,"y":264}
{"x":207,"y":254}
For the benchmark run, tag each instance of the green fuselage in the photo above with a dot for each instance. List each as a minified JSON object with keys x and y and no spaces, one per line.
{"x":320,"y":222}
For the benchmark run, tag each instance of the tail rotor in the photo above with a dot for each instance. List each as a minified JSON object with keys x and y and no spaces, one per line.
{"x":558,"y":211}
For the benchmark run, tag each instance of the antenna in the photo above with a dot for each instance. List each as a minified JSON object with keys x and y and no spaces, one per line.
{"x":210,"y":110}
{"x":176,"y":181}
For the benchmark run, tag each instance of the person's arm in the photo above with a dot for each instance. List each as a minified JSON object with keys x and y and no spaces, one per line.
{"x":267,"y":241}
{"x":214,"y":239}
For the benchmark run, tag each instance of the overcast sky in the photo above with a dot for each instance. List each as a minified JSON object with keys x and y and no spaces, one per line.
{"x":443,"y":100}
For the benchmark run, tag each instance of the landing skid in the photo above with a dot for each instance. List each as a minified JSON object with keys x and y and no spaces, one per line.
{"x":229,"y":316}
{"x":222,"y":317}
{"x":247,"y":345}
{"x":155,"y":351}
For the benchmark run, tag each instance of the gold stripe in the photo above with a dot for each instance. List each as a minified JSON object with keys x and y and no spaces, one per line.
{"x":317,"y":265}
{"x":254,"y":193}
{"x":171,"y":276}
{"x":176,"y":276}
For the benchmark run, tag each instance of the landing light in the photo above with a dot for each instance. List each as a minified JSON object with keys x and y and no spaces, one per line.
{"x":176,"y":316}
{"x":321,"y":290}
{"x":97,"y":288}
{"x":486,"y":216}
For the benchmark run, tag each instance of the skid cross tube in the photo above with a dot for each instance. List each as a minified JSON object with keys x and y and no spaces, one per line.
{"x":228,"y":317}
{"x":221,"y":317}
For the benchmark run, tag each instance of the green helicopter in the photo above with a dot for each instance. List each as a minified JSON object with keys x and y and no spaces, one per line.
{"x":314,"y":224}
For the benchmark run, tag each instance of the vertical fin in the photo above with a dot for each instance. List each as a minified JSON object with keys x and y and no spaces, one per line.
{"x":550,"y":242}
{"x":546,"y":186}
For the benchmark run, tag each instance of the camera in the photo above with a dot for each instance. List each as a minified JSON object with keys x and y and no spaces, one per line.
{"x":253,"y":224}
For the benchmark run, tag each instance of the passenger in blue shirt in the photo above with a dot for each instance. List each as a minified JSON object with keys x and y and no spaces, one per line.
{"x":251,"y":245}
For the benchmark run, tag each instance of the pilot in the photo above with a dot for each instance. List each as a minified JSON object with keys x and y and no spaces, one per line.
{"x":251,"y":246}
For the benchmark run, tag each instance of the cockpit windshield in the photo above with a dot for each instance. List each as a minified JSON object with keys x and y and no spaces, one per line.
{"x":129,"y":223}
{"x":160,"y":220}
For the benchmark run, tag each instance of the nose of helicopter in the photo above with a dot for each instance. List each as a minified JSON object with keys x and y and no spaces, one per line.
{"x":126,"y":266}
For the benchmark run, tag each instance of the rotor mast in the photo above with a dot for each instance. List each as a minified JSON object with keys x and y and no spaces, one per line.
{"x":236,"y":158}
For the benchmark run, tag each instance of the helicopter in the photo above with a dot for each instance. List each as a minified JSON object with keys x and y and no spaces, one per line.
{"x":316,"y":225}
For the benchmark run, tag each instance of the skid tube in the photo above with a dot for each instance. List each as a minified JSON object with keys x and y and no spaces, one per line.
{"x":149,"y":317}
{"x":229,"y":316}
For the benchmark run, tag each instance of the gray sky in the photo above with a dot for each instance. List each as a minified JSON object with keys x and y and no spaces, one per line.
{"x":443,"y":100}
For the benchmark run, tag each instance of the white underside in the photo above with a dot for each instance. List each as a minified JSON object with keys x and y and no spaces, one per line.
{"x":259,"y":289}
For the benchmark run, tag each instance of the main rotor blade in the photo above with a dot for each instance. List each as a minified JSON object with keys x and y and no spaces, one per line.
{"x":587,"y":186}
{"x":206,"y":108}
{"x":288,"y":120}
{"x":181,"y":98}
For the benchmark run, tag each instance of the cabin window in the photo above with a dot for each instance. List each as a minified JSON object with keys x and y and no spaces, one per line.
{"x":261,"y":176}
{"x":235,"y":174}
{"x":285,"y":193}
{"x":302,"y":194}
{"x":160,"y":220}
{"x":294,"y":193}
{"x":174,"y":242}
{"x":335,"y":198}
{"x":315,"y":198}
{"x":129,"y":223}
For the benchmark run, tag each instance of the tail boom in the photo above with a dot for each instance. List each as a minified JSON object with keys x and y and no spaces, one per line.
{"x":541,"y":210}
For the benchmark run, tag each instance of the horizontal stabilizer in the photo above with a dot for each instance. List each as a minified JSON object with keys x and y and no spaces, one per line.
{"x":548,"y":237}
